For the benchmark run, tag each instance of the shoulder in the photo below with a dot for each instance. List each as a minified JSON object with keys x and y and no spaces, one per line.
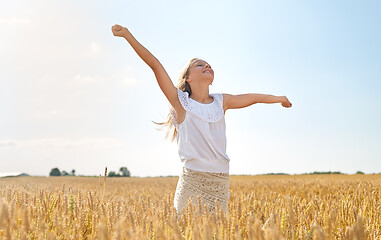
{"x":218,"y":96}
{"x":226,"y":96}
{"x":182,"y":95}
{"x":226,"y":100}
{"x":184,"y":105}
{"x":183,"y":98}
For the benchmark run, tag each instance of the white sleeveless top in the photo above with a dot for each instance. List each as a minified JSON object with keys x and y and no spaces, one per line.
{"x":201,"y":137}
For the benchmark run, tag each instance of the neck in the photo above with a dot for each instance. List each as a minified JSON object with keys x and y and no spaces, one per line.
{"x":201,"y":95}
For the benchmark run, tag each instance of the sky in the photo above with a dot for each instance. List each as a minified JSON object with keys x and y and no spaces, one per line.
{"x":73,"y":96}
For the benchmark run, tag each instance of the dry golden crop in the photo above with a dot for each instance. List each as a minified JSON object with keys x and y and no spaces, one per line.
{"x":260,"y":207}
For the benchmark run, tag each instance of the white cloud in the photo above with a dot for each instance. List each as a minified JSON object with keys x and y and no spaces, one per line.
{"x":88,"y":51}
{"x":129,"y":81}
{"x":95,"y":47}
{"x":14,"y":20}
{"x":64,"y":143}
{"x":126,"y":76}
{"x":79,"y":79}
{"x":7,"y":143}
{"x":54,"y":113}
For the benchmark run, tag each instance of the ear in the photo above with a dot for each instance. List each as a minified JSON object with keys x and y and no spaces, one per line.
{"x":188,"y":79}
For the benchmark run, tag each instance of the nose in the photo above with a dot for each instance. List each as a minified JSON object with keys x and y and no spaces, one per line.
{"x":208,"y":66}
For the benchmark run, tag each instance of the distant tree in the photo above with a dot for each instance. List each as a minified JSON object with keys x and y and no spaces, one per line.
{"x":326,"y":172}
{"x":64,"y":173}
{"x":113,"y":174}
{"x":124,"y":172}
{"x":276,"y":174}
{"x":73,"y":172}
{"x":359,"y":172}
{"x":55,"y":172}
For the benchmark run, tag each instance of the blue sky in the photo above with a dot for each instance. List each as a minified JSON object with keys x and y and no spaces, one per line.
{"x":73,"y":96}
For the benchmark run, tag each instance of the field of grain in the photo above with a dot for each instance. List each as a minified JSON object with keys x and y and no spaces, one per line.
{"x":260,"y":207}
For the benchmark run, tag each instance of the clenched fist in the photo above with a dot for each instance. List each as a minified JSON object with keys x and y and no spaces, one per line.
{"x":285,"y":102}
{"x":119,"y":31}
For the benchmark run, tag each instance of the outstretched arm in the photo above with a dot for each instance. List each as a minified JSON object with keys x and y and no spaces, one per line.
{"x":164,"y":81}
{"x":245,"y":100}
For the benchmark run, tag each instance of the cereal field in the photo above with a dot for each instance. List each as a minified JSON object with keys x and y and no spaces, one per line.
{"x":260,"y":207}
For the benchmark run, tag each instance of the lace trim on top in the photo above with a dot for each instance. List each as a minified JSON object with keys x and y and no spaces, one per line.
{"x":173,"y":115}
{"x":209,"y":112}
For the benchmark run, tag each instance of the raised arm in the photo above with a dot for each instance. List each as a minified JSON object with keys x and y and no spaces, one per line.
{"x":245,"y":100}
{"x":164,"y":81}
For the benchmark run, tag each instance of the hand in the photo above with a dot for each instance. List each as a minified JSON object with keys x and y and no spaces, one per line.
{"x":285,"y":102}
{"x":119,"y":31}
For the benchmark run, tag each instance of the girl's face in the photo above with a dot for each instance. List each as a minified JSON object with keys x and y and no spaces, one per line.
{"x":201,"y":71}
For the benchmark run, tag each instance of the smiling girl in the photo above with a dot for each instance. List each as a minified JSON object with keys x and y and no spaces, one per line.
{"x":197,"y":119}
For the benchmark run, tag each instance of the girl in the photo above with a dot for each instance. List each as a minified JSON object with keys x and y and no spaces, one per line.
{"x":198,"y":122}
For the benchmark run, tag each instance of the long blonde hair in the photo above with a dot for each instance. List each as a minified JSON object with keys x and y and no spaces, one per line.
{"x":184,"y":86}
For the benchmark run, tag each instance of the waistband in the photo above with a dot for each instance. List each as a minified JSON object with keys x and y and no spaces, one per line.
{"x":207,"y":166}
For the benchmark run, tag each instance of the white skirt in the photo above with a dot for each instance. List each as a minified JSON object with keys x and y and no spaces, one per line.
{"x":213,"y":188}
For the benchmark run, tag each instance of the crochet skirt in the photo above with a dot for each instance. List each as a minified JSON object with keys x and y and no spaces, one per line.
{"x":211,"y":188}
